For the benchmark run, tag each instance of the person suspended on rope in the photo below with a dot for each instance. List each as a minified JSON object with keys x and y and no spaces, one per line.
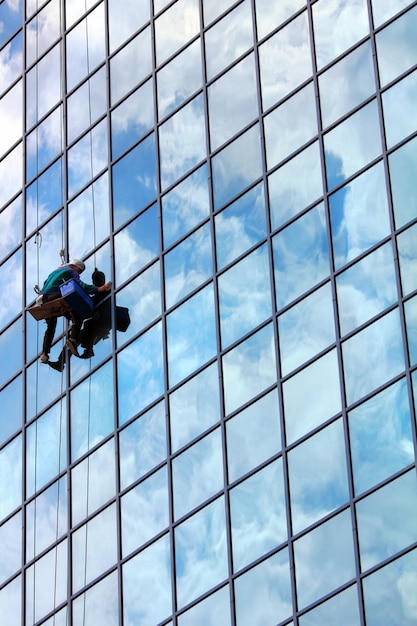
{"x":95,"y":328}
{"x":51,"y":291}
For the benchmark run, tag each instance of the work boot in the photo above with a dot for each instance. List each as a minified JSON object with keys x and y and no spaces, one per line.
{"x":56,"y":365}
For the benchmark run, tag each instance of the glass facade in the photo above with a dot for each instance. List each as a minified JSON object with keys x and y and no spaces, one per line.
{"x":244,"y":172}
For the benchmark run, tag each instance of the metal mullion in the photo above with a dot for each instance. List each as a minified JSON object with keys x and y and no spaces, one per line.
{"x":401,"y":300}
{"x":225,"y":491}
{"x":163,"y":323}
{"x":338,"y":346}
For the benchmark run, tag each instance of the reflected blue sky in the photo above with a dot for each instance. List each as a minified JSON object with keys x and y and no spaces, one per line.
{"x":178,"y":258}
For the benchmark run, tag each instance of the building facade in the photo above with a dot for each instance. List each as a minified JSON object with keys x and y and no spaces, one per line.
{"x":244,"y":454}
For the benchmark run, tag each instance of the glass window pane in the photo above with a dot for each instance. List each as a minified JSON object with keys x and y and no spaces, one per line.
{"x":245,"y":296}
{"x":324,"y":559}
{"x":257,"y":509}
{"x":179,"y":79}
{"x":87,"y":104}
{"x":144,"y":511}
{"x":142,"y":445}
{"x":228,"y":39}
{"x":342,"y":610}
{"x":85,"y":46}
{"x":197,"y":473}
{"x":212,"y":10}
{"x":388,"y":593}
{"x":194,"y":407}
{"x":236,"y":166}
{"x":191,"y":335}
{"x":11,"y":599}
{"x":407,"y":252}
{"x":249,"y":368}
{"x":137,"y":244}
{"x":337,"y":26}
{"x":92,"y":425}
{"x":140,"y":373}
{"x":46,"y":518}
{"x":182,"y":142}
{"x":93,"y":482}
{"x":87,"y":157}
{"x":306,"y":329}
{"x":142,"y":297}
{"x":386,"y":520}
{"x":132,"y":119}
{"x":361,"y":133}
{"x":381,"y":441}
{"x":11,"y":115}
{"x":11,"y":284}
{"x":403,"y":174}
{"x":185,"y":206}
{"x":11,"y":405}
{"x":11,"y":226}
{"x":381,"y":342}
{"x":269,"y":583}
{"x":366,"y":288}
{"x":125,"y":20}
{"x":232,"y":101}
{"x":148,"y":575}
{"x":295,"y":185}
{"x":359,"y":215}
{"x":240,"y":226}
{"x":44,"y":196}
{"x":399,"y":110}
{"x":324,"y":456}
{"x":44,"y":144}
{"x":43,"y":86}
{"x":11,"y":174}
{"x":312,"y":396}
{"x":201,"y":552}
{"x":46,"y":448}
{"x":130,"y":66}
{"x":97,"y":605}
{"x":89,"y":215}
{"x":134,"y":183}
{"x":270,"y":15}
{"x":306,"y":238}
{"x":396,"y":48}
{"x":290,"y":126}
{"x":46,"y":583}
{"x":92,"y":551}
{"x":11,"y":19}
{"x":347,"y":84}
{"x":382,"y":11}
{"x":10,"y":549}
{"x":285,"y":61}
{"x":253,"y":436}
{"x":188,"y":265}
{"x":175,"y":27}
{"x":211,"y":611}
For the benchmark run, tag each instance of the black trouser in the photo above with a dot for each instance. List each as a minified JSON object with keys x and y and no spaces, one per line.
{"x":51,"y":326}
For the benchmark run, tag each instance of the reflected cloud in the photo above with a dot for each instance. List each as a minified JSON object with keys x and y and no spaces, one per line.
{"x":249,"y":368}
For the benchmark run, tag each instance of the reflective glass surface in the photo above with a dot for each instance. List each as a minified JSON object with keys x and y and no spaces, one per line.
{"x":380,"y":447}
{"x":270,"y":582}
{"x":239,"y":449}
{"x":306,"y":236}
{"x":318,"y":476}
{"x":324,"y":559}
{"x":285,"y":61}
{"x":388,"y":592}
{"x":257,"y":511}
